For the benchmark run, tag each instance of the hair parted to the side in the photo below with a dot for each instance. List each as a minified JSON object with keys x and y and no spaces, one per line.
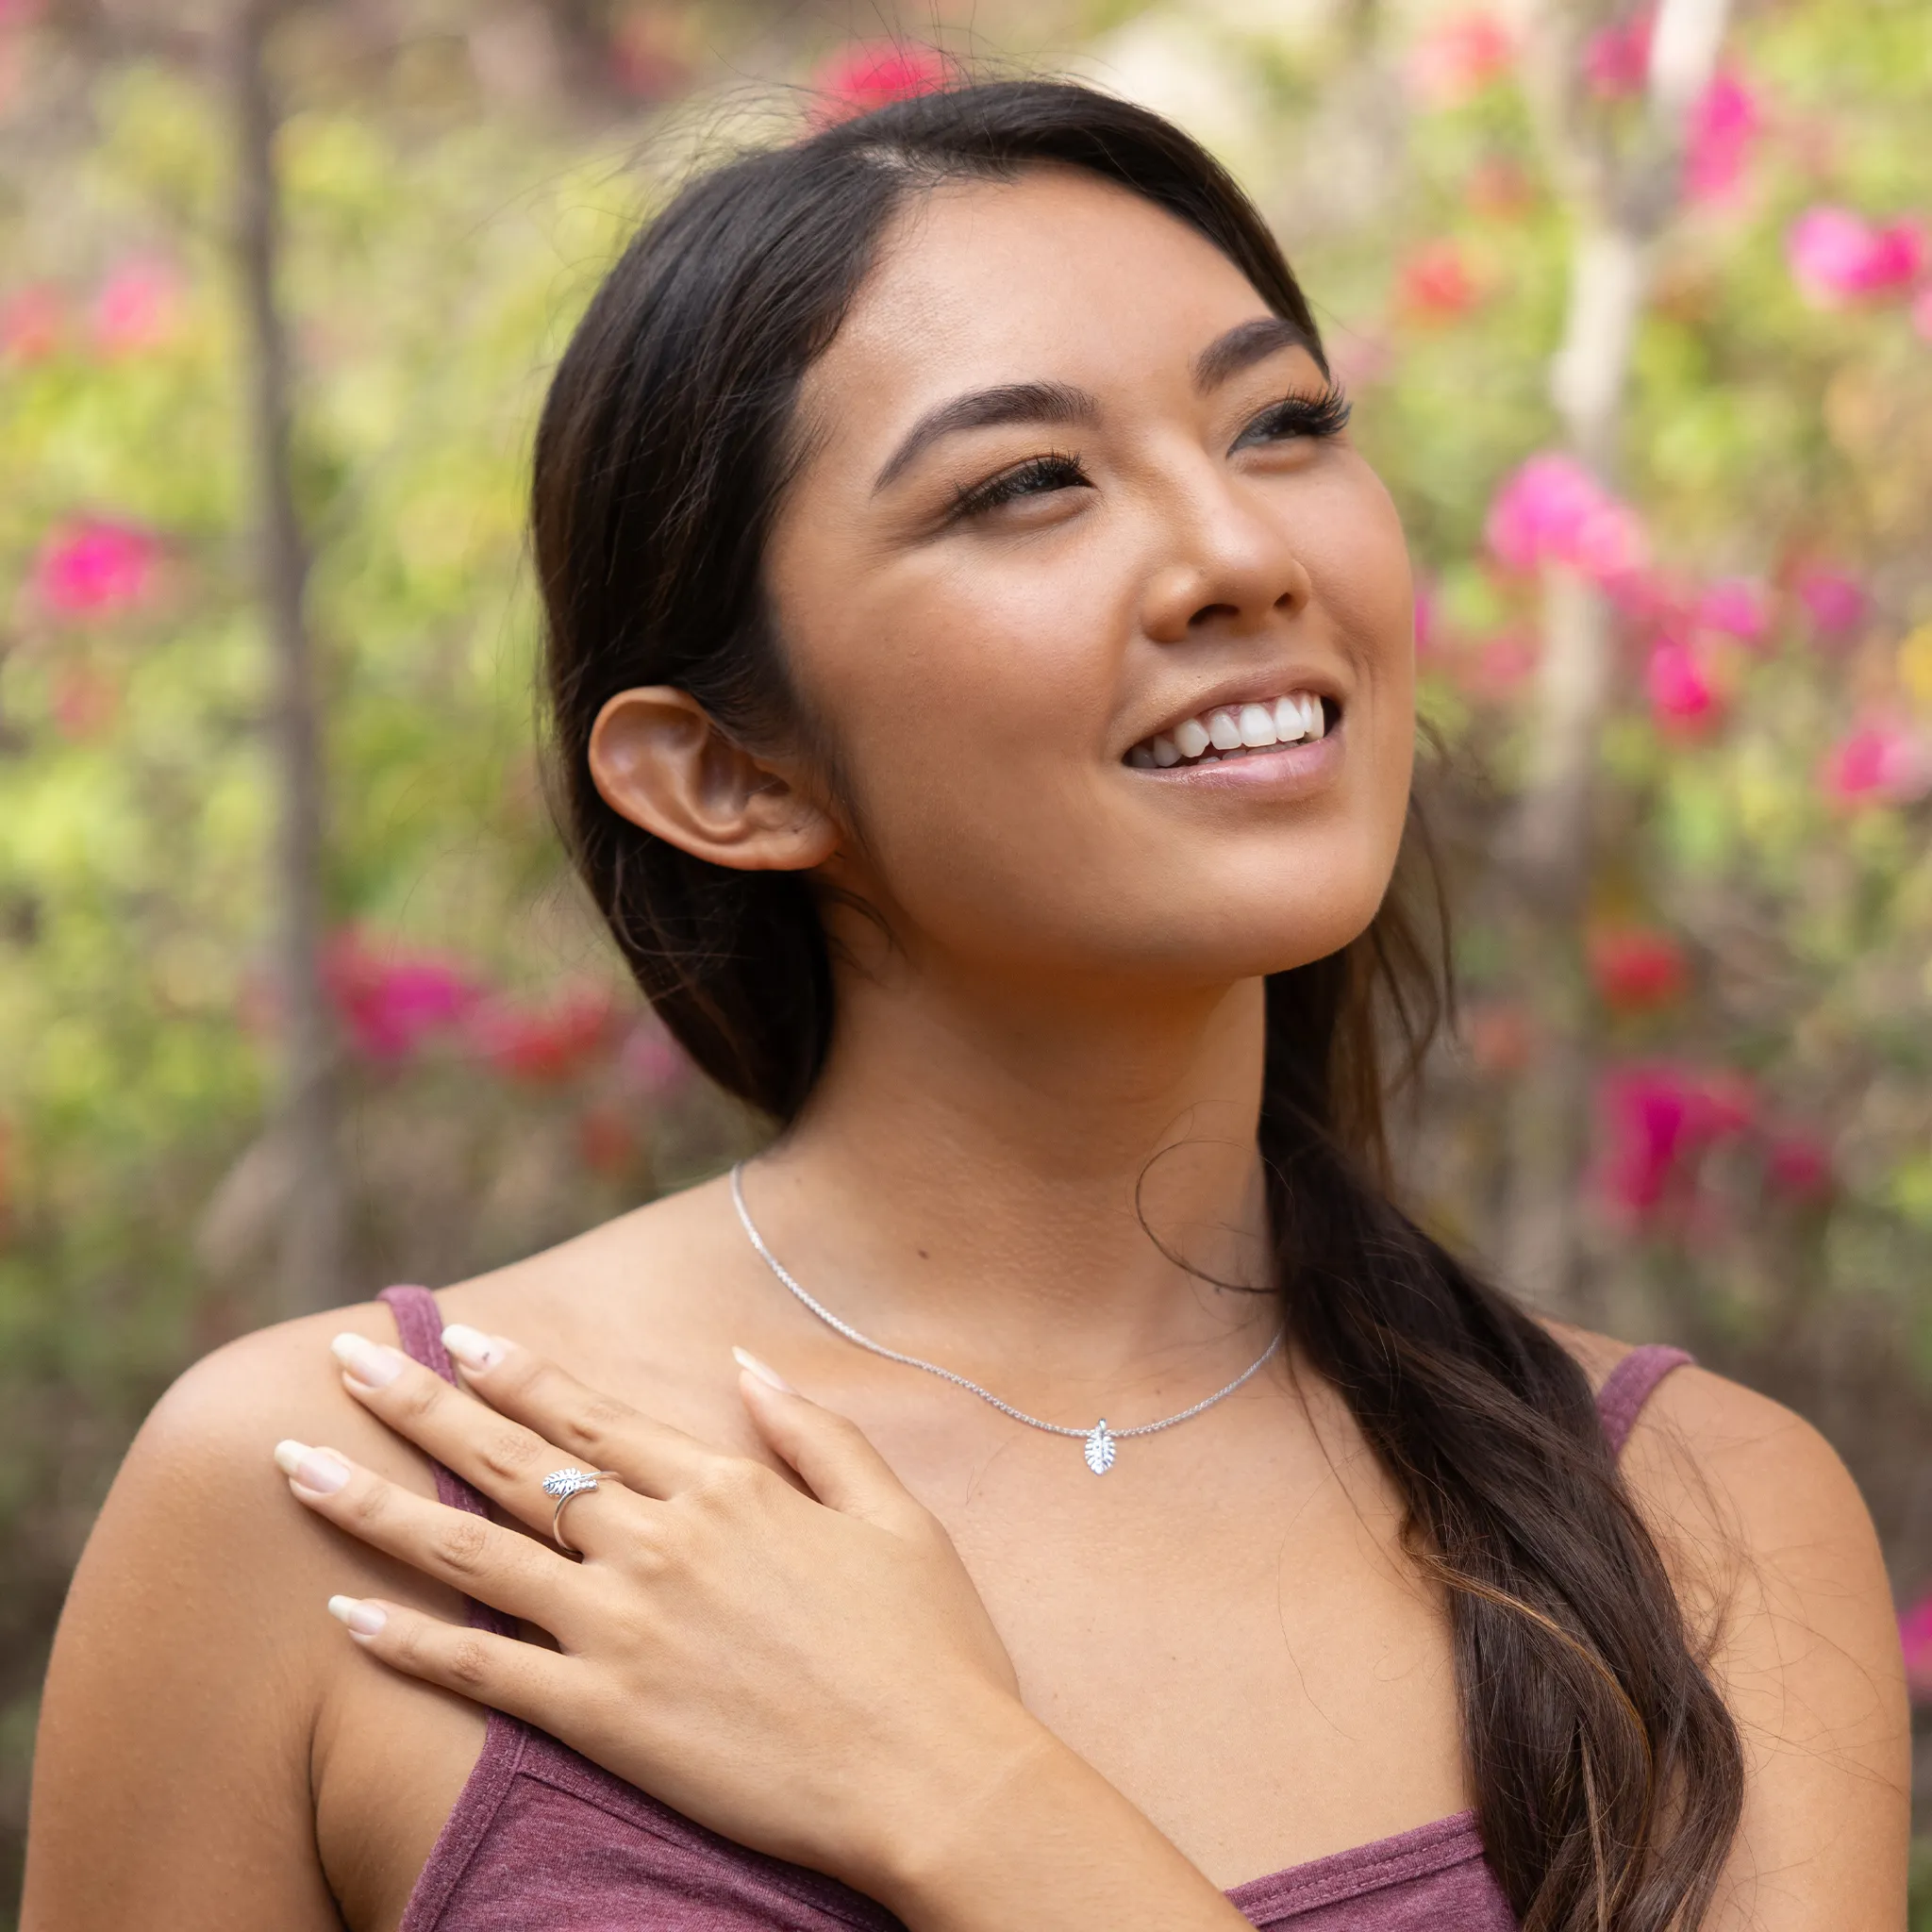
{"x":1606,"y":1769}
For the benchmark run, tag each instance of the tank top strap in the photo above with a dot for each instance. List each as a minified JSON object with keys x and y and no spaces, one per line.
{"x":418,"y":1328}
{"x":1629,"y":1386}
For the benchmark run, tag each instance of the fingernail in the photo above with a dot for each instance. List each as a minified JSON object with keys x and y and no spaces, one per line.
{"x":320,"y":1470}
{"x":471,"y":1347}
{"x":371,"y":1364}
{"x":752,"y":1366}
{"x":365,"y":1619}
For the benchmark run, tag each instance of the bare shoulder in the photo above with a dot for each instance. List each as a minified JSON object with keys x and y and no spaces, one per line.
{"x":195,"y":1658}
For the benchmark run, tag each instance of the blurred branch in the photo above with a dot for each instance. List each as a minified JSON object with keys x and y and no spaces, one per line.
{"x":312,"y":1270}
{"x":1619,"y":198}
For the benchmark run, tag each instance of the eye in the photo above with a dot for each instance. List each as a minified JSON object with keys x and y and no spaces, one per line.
{"x":1315,"y":418}
{"x":1038,"y":476}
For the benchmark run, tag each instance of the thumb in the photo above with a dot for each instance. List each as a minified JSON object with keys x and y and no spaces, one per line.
{"x":839,"y":1467}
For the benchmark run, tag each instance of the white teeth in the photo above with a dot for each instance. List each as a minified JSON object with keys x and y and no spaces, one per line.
{"x":1230,"y":728}
{"x":1190,"y":738}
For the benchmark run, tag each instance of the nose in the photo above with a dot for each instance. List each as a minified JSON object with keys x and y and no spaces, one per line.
{"x":1230,"y":568}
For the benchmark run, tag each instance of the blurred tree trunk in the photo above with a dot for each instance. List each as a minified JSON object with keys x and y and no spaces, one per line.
{"x":1619,"y":196}
{"x":311,"y":1271}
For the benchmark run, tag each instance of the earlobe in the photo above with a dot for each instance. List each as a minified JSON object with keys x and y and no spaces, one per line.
{"x":657,"y":758}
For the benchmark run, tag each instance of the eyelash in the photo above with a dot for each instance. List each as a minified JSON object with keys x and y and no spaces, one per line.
{"x":1315,"y":417}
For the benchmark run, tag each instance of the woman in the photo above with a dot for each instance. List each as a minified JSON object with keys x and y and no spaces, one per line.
{"x":981,"y":668}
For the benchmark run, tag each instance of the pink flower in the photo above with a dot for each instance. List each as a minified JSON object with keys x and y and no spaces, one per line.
{"x":1554,"y":510}
{"x":1915,"y":1635}
{"x":92,"y":567}
{"x":1879,"y":762}
{"x":32,"y":321}
{"x":542,"y":1044}
{"x":391,"y":1001}
{"x":1637,"y":970}
{"x":1836,"y":256}
{"x":1736,"y":607}
{"x":650,"y":1061}
{"x":1616,"y":60}
{"x":1680,"y":693}
{"x":1456,"y":58}
{"x":1659,"y":1121}
{"x":1835,"y":600}
{"x":138,"y":307}
{"x":1504,"y":664}
{"x":1725,"y":122}
{"x":1436,"y":283}
{"x":1798,"y":1167}
{"x":869,"y":74}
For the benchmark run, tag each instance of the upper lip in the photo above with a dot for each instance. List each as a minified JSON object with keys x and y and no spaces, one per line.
{"x":1250,"y":688}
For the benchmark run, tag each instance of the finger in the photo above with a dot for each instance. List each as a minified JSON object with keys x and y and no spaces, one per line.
{"x":468,"y":1552}
{"x":507,"y":1461}
{"x":599,"y":1430}
{"x":839,"y":1466}
{"x":522,"y":1679}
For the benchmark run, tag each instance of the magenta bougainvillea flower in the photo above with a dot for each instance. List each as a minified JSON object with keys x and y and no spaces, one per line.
{"x":1915,"y":1635}
{"x":1834,"y":599}
{"x":1679,"y":689}
{"x":1456,"y":58}
{"x":1637,"y":969}
{"x":1616,"y":59}
{"x":1553,"y":511}
{"x":1659,"y":1121}
{"x":1838,"y":257}
{"x":1882,"y":761}
{"x":33,"y":323}
{"x":1436,"y":283}
{"x":1798,"y":1167}
{"x":1725,"y":122}
{"x":869,"y":74}
{"x":390,"y":1000}
{"x":1735,"y":606}
{"x":139,"y":306}
{"x":542,"y":1044}
{"x":96,"y":567}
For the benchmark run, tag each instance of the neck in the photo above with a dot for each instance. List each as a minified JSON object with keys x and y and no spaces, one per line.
{"x":989,"y":1173}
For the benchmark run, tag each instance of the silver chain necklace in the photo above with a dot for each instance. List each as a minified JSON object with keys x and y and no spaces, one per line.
{"x":1099,"y":1439}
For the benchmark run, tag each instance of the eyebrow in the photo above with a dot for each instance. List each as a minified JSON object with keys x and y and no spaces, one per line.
{"x":986,"y":409}
{"x":1245,"y":345}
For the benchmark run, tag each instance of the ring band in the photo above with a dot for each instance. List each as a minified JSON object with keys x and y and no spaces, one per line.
{"x":564,"y":1484}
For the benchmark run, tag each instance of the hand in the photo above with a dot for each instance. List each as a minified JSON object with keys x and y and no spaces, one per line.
{"x":812,"y":1674}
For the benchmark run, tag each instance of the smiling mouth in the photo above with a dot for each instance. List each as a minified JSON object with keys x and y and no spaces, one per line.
{"x":1237,"y":731}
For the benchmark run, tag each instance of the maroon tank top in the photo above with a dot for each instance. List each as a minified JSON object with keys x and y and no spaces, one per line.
{"x":544,"y":1841}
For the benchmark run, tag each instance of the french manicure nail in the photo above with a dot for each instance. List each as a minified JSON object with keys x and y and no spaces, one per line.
{"x":471,"y":1347}
{"x":750,"y":1365}
{"x":371,"y":1364}
{"x":363,"y":1619}
{"x":320,"y":1470}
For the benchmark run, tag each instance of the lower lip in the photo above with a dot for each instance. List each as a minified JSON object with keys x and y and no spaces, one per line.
{"x":1281,"y":771}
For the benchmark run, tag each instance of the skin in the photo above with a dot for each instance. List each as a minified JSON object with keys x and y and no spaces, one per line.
{"x":999,"y":1691}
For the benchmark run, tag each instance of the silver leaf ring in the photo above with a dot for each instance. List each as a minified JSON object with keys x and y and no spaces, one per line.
{"x":564,"y":1484}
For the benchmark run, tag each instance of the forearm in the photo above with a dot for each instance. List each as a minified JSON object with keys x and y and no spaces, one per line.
{"x":1034,"y":1836}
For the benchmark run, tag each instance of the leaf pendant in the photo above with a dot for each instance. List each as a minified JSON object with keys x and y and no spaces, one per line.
{"x":1099,"y":1450}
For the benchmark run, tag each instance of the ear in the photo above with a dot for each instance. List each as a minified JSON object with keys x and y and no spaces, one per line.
{"x":657,"y":757}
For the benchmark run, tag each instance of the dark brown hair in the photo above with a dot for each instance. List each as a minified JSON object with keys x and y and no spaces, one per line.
{"x":1606,"y":1769}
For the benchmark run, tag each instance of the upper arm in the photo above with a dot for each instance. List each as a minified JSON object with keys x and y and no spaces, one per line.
{"x":1779,"y":1567}
{"x":185,"y":1679}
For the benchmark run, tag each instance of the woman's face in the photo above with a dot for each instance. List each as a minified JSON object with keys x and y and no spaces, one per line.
{"x":1072,"y":512}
